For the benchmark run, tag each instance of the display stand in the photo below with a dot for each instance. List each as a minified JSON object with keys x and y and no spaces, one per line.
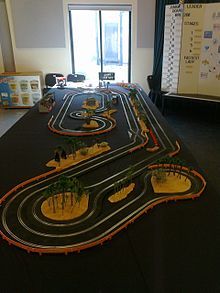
{"x":20,"y":89}
{"x":191,"y":58}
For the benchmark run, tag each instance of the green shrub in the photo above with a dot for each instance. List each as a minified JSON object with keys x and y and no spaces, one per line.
{"x":160,"y":175}
{"x":84,"y":151}
{"x":103,"y":144}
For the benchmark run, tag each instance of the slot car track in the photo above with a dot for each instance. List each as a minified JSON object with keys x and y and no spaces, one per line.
{"x":24,"y":225}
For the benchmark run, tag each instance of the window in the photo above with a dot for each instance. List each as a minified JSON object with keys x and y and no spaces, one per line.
{"x":102,"y":42}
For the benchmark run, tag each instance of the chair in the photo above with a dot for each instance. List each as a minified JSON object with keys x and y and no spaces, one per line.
{"x":152,"y":87}
{"x":50,"y":79}
{"x":76,"y":77}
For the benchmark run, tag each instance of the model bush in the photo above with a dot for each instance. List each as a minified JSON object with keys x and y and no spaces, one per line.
{"x":84,"y":151}
{"x":103,"y":144}
{"x":160,"y":175}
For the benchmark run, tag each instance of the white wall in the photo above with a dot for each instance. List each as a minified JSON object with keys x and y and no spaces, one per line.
{"x":5,"y":39}
{"x":1,"y":61}
{"x":142,"y":58}
{"x":58,"y":59}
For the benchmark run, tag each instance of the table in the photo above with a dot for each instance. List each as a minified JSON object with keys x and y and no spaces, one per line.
{"x":192,"y":97}
{"x":31,"y":144}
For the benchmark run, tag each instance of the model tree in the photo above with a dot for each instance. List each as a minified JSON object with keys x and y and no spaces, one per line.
{"x":57,"y":157}
{"x":63,"y":154}
{"x":125,"y":182}
{"x":49,"y":195}
{"x":175,"y":165}
{"x":160,"y":175}
{"x":89,"y":114}
{"x":79,"y":191}
{"x":73,"y":188}
{"x":132,"y":94}
{"x":68,"y":188}
{"x":73,"y":144}
{"x":63,"y":185}
{"x":130,"y":174}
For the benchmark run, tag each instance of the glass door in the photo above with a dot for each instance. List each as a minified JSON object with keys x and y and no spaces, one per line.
{"x":86,"y":43}
{"x":115,"y":42}
{"x":100,"y":42}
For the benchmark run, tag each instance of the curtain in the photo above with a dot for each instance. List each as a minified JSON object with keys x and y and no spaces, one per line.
{"x":159,"y":34}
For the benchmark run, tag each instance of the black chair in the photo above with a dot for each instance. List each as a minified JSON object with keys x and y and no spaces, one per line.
{"x":75,"y":77}
{"x":153,"y":94}
{"x":50,"y":81}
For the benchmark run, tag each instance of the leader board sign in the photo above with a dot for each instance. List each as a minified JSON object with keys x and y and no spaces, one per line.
{"x":198,"y":66}
{"x":209,"y":71}
{"x":172,"y":46}
{"x":191,"y":48}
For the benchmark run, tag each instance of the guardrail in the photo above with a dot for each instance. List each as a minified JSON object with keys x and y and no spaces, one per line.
{"x":65,"y":133}
{"x":24,"y":183}
{"x":142,"y":145}
{"x":154,"y":138}
{"x":175,"y":152}
{"x":108,"y":237}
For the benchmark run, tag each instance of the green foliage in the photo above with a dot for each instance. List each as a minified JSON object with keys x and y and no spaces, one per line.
{"x":160,"y":175}
{"x":171,"y":161}
{"x":103,"y":144}
{"x":132,"y":92}
{"x":65,"y":185}
{"x":84,"y":151}
{"x":91,"y":102}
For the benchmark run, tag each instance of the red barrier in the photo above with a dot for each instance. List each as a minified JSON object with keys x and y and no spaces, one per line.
{"x":57,"y":250}
{"x":24,"y":183}
{"x":139,"y":146}
{"x":174,"y":153}
{"x":64,"y":133}
{"x":194,"y":172}
{"x":154,"y":138}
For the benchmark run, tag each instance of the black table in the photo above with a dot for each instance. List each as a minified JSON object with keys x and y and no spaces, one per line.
{"x":186,"y":97}
{"x":167,"y":250}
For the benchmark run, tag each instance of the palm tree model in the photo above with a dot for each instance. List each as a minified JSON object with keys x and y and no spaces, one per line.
{"x":160,"y":175}
{"x":132,"y":93}
{"x":63,"y":154}
{"x":49,"y":194}
{"x":80,"y":191}
{"x":73,"y":145}
{"x":81,"y":144}
{"x":73,"y":188}
{"x":57,"y":157}
{"x":60,"y":149}
{"x":63,"y":185}
{"x":130,"y":174}
{"x":89,"y":114}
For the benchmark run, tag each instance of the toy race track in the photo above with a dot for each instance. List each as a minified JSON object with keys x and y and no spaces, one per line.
{"x":120,"y":163}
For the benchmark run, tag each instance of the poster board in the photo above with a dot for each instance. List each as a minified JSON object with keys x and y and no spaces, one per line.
{"x":19,"y":90}
{"x":209,"y":71}
{"x":198,"y":67}
{"x":191,"y":48}
{"x":172,"y":46}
